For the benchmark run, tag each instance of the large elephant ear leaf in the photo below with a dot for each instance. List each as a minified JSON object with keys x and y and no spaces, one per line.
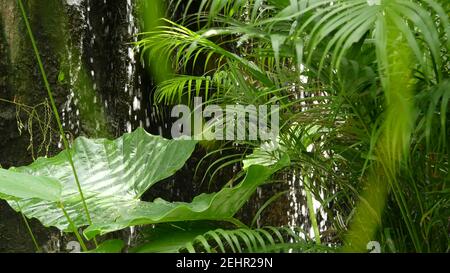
{"x":16,"y":186}
{"x":113,"y":175}
{"x":220,"y":206}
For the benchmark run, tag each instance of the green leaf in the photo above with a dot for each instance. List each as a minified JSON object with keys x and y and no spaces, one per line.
{"x":266,"y":155}
{"x":169,"y":238}
{"x":220,"y":206}
{"x":61,"y":77}
{"x":181,"y":237}
{"x":113,"y":175}
{"x":110,"y":246}
{"x":277,"y":41}
{"x":14,"y":186}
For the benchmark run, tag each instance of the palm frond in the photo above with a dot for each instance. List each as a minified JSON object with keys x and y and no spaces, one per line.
{"x":269,"y":239}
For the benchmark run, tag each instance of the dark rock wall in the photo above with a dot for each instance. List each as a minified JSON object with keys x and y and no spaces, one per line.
{"x":20,"y":83}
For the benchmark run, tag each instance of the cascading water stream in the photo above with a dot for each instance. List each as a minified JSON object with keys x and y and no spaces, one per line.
{"x":298,"y":214}
{"x":101,"y":60}
{"x":101,"y":46}
{"x":70,"y":113}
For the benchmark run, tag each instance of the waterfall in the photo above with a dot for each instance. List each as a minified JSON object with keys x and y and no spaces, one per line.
{"x":74,"y":50}
{"x":298,"y":214}
{"x":100,"y":45}
{"x":135,"y":93}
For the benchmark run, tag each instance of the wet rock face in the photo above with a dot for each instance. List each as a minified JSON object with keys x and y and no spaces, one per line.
{"x":6,"y":113}
{"x":8,"y":127}
{"x":13,"y":145}
{"x":22,"y":85}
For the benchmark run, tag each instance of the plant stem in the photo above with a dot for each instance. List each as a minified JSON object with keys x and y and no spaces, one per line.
{"x":30,"y":231}
{"x":312,"y":213}
{"x":74,"y":228}
{"x":55,"y":111}
{"x":237,"y":223}
{"x":265,"y":205}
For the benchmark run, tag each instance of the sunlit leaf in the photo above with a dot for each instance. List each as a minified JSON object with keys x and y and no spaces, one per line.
{"x":220,"y":206}
{"x":113,"y":175}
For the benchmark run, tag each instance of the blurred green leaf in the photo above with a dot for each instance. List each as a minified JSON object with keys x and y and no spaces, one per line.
{"x":61,"y":77}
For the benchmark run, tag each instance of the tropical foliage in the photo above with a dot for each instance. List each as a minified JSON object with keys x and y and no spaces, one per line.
{"x":366,"y":82}
{"x":113,"y":175}
{"x":201,"y":237}
{"x":363,"y":88}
